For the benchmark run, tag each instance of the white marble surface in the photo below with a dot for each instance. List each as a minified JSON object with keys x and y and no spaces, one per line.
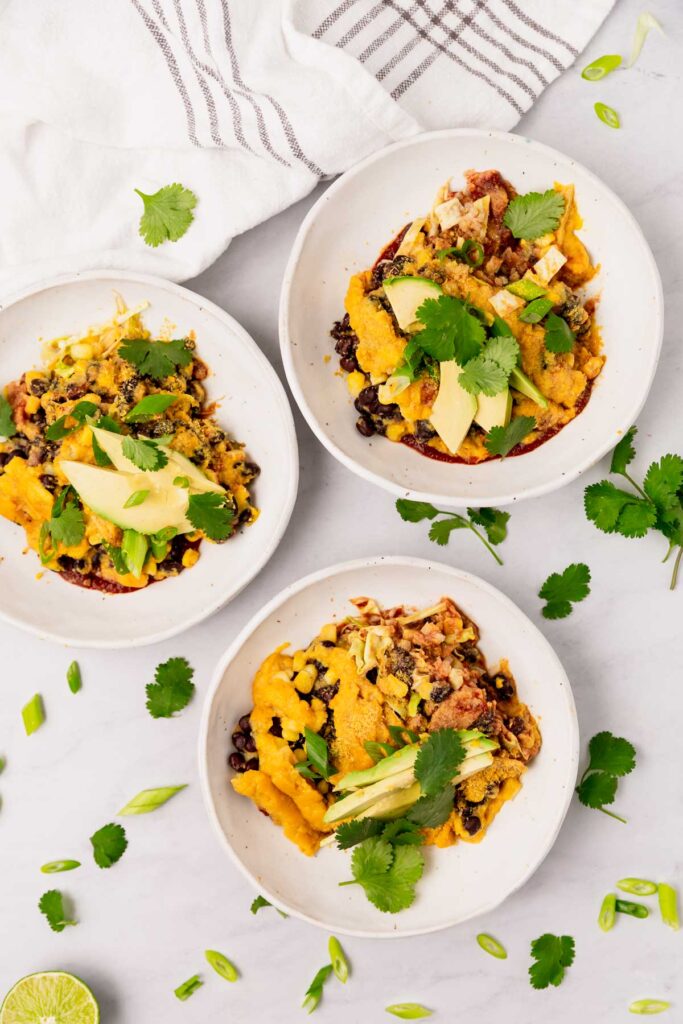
{"x":144,"y":924}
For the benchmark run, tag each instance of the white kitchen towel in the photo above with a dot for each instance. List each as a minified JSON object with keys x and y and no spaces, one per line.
{"x":247,"y":102}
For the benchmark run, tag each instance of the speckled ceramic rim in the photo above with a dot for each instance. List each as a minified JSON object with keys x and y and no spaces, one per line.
{"x":418,"y":565}
{"x":268,"y":550}
{"x":505,"y":498}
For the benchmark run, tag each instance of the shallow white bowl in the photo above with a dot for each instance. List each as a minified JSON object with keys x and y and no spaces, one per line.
{"x":352,"y":222}
{"x":458,"y":883}
{"x":253,"y":408}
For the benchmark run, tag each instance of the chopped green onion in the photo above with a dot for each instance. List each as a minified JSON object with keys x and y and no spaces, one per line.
{"x":637,"y":886}
{"x":315,"y":989}
{"x":608,"y":912}
{"x":648,"y":1006}
{"x":185,"y":990}
{"x":607,"y":115}
{"x":340,"y":965}
{"x":634,"y":909}
{"x":668,"y":905}
{"x":601,"y":67}
{"x":181,"y":481}
{"x":33,"y":714}
{"x":222,"y":965}
{"x":409,"y":1011}
{"x":150,"y":799}
{"x":134,"y":547}
{"x":136,"y":498}
{"x":73,"y":677}
{"x":534,"y":312}
{"x":53,"y":866}
{"x":646,"y":21}
{"x":462,"y":253}
{"x":492,"y":946}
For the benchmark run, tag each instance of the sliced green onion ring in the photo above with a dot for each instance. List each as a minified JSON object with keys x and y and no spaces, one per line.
{"x":668,"y":905}
{"x":608,"y":912}
{"x":409,"y":1011}
{"x":607,"y":115}
{"x":462,"y":253}
{"x":645,"y":23}
{"x":33,"y":714}
{"x":222,"y":965}
{"x":648,"y":1006}
{"x":602,"y":66}
{"x":631,"y":908}
{"x":637,"y":886}
{"x":53,"y":866}
{"x":185,"y":990}
{"x":340,"y":965}
{"x":492,"y":946}
{"x":73,"y":677}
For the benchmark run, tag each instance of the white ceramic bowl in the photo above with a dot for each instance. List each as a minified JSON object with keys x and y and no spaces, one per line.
{"x":458,"y":883}
{"x":361,"y":212}
{"x":253,"y":408}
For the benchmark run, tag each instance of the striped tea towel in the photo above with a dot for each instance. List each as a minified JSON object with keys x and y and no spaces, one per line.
{"x":247,"y":102}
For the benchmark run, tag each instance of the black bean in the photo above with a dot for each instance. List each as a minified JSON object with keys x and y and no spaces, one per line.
{"x":327,"y":693}
{"x":251,"y":765}
{"x":4,"y":458}
{"x":245,"y":723}
{"x":252,"y":469}
{"x":77,"y":564}
{"x":440,"y":693}
{"x":236,"y":762}
{"x":517,"y":725}
{"x":367,"y":400}
{"x":250,"y":745}
{"x":76,"y":390}
{"x":364,"y":426}
{"x":471,"y":823}
{"x":38,"y":386}
{"x":37,"y":455}
{"x":372,"y":675}
{"x":424,"y":431}
{"x":276,"y":727}
{"x":19,"y":453}
{"x":349,"y":364}
{"x":239,"y":740}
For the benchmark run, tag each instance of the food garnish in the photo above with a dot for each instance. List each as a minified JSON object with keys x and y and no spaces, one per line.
{"x":491,"y":520}
{"x":33,"y":714}
{"x":607,"y":115}
{"x":558,"y":335}
{"x":610,"y":758}
{"x":340,"y":964}
{"x":7,"y":426}
{"x":646,"y":22}
{"x":608,"y":912}
{"x":657,"y":505}
{"x":631,"y":908}
{"x":316,"y":764}
{"x":387,"y":873}
{"x":563,"y":589}
{"x":55,"y":866}
{"x":637,"y":886}
{"x":648,"y":1006}
{"x":221,"y":965}
{"x":534,"y":214}
{"x":314,"y":992}
{"x":172,"y":690}
{"x":66,"y":526}
{"x":73,"y":677}
{"x":553,"y":954}
{"x":211,"y":513}
{"x":501,"y":440}
{"x":108,"y":844}
{"x":188,"y":987}
{"x":167,"y":213}
{"x":598,"y":69}
{"x":668,"y":905}
{"x":261,"y":902}
{"x":492,"y":946}
{"x":148,"y":800}
{"x":408,"y":1011}
{"x":52,"y":905}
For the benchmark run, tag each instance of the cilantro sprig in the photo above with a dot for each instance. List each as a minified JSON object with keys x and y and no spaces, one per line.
{"x":156,"y":359}
{"x":451,"y":330}
{"x":501,"y":440}
{"x":52,"y":905}
{"x":7,"y":425}
{"x":260,"y":901}
{"x":534,"y":214}
{"x":172,"y":690}
{"x":552,"y":955}
{"x":387,"y":872}
{"x":562,"y":589}
{"x":167,"y":214}
{"x":610,"y":758}
{"x":66,"y":526}
{"x":489,"y":372}
{"x":210,"y":513}
{"x":657,"y":505}
{"x":491,"y":520}
{"x":144,"y":453}
{"x":109,"y":844}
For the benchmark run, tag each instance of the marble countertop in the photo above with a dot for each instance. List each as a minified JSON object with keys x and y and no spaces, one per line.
{"x":143,"y":926}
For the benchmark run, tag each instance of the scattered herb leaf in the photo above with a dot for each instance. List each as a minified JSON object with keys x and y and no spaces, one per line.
{"x":52,"y":905}
{"x":440,"y":531}
{"x":167,"y":213}
{"x":108,"y":844}
{"x":210,"y":513}
{"x":261,"y":902}
{"x":501,"y":440}
{"x":150,"y":405}
{"x":432,"y":811}
{"x":553,"y":954}
{"x":387,"y":874}
{"x":172,"y":690}
{"x":438,"y":760}
{"x":144,"y":453}
{"x":559,"y":337}
{"x":534,"y":214}
{"x":610,"y":758}
{"x":451,"y":331}
{"x":562,"y":589}
{"x":157,"y":359}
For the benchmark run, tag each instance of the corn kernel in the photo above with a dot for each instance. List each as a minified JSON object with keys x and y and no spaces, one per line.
{"x":290,"y":735}
{"x":81,"y":350}
{"x":395,"y":431}
{"x":190,"y":557}
{"x":329,"y":632}
{"x":303,"y":682}
{"x":32,"y":405}
{"x":283,"y":676}
{"x":355,"y":382}
{"x":298,"y":660}
{"x":299,"y":755}
{"x":323,"y":787}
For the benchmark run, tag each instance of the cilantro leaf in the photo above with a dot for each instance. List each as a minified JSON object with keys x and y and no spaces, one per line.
{"x":261,"y":902}
{"x":483,"y":376}
{"x":150,"y":405}
{"x":156,"y":359}
{"x":451,"y":331}
{"x":415,"y":511}
{"x":504,"y":351}
{"x":437,"y":760}
{"x":210,"y":513}
{"x":559,"y":337}
{"x":372,"y":857}
{"x":534,"y":214}
{"x":501,"y":440}
{"x":560,"y":590}
{"x":597,"y":790}
{"x":611,"y":754}
{"x":624,"y":453}
{"x":403,"y":832}
{"x":108,"y":844}
{"x":552,"y":953}
{"x":388,"y":875}
{"x":68,"y":527}
{"x":172,"y":690}
{"x":351,"y":833}
{"x":167,"y":214}
{"x":7,"y":427}
{"x":440,"y":531}
{"x":52,"y":905}
{"x":432,"y":811}
{"x":493,"y":520}
{"x":616,"y":511}
{"x":663,"y":481}
{"x":144,"y":454}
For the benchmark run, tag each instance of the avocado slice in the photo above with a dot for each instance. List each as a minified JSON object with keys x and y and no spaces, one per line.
{"x":177,"y":465}
{"x":520,"y":382}
{"x":406,"y":295}
{"x":494,"y":411}
{"x":454,"y":408}
{"x":391,"y":765}
{"x":351,"y":806}
{"x":106,"y":492}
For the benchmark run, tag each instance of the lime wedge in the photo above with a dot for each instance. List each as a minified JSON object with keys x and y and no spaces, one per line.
{"x":51,"y":997}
